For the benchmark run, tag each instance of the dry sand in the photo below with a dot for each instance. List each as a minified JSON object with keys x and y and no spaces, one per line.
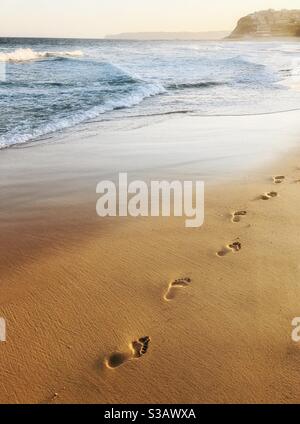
{"x":76,"y":291}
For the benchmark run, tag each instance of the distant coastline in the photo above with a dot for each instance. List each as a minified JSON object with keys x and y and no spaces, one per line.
{"x":167,"y":36}
{"x":260,"y":25}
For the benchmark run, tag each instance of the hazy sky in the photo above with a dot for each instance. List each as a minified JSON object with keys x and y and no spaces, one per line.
{"x":95,"y":18}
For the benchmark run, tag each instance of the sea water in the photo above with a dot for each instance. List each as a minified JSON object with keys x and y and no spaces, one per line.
{"x":51,"y":85}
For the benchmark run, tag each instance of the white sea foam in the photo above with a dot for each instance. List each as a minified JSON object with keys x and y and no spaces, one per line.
{"x":23,"y":55}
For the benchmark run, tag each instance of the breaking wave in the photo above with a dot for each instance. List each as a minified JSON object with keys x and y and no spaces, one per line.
{"x":127,"y":100}
{"x":24,"y":55}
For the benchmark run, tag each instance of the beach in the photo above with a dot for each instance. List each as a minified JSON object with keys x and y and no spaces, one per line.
{"x":79,"y":293}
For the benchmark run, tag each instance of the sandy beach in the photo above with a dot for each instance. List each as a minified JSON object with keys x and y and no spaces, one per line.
{"x":83,"y":295}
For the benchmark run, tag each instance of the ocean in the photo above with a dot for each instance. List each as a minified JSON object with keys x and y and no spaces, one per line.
{"x":50,"y":85}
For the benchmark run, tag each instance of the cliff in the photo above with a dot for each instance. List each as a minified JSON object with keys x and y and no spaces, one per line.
{"x":268,"y":23}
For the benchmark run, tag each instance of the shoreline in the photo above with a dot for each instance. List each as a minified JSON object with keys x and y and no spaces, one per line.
{"x":96,"y":125}
{"x":76,"y":290}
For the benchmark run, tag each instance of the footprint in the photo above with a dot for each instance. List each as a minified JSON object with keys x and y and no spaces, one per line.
{"x":138,"y":348}
{"x":237,"y":216}
{"x":268,"y":196}
{"x":180,"y":283}
{"x":231,"y":248}
{"x":279,"y":179}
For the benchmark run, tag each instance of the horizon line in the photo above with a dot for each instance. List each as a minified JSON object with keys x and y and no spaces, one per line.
{"x":108,"y":35}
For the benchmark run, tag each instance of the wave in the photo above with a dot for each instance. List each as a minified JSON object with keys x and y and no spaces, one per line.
{"x":24,"y":55}
{"x":242,"y":60}
{"x":183,"y":86}
{"x":128,"y":100}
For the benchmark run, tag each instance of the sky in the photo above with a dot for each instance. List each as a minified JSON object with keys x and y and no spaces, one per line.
{"x":96,"y":18}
